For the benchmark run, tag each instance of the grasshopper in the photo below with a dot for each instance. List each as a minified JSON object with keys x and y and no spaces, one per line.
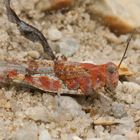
{"x":57,"y":76}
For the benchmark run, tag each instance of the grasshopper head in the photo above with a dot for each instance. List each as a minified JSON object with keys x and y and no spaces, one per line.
{"x":112,"y":76}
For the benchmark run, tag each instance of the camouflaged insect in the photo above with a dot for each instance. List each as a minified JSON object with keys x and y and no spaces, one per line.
{"x":56,"y":76}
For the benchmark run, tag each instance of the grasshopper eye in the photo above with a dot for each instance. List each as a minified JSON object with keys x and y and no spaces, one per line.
{"x":111,"y":68}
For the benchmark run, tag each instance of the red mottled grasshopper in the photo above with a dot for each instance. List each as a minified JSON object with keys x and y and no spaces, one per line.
{"x":57,"y":76}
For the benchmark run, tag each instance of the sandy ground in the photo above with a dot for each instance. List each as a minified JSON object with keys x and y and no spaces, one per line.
{"x":32,"y":115}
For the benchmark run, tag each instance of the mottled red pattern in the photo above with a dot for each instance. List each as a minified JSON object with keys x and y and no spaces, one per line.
{"x":29,"y":79}
{"x":85,"y":76}
{"x":1,"y":78}
{"x":12,"y":74}
{"x":49,"y":84}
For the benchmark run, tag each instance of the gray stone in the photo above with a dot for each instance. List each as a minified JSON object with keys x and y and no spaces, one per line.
{"x":68,"y":46}
{"x":69,"y":104}
{"x":118,"y":110}
{"x":127,"y":124}
{"x":68,"y":108}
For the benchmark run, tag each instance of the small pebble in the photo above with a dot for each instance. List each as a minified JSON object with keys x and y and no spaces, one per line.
{"x":68,"y":46}
{"x":44,"y":135}
{"x":34,"y":54}
{"x":118,"y":137}
{"x":118,"y":110}
{"x":54,"y":34}
{"x":99,"y":130}
{"x":76,"y":138}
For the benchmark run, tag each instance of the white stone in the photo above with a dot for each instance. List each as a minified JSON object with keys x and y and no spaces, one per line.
{"x":38,"y":113}
{"x":76,"y":138}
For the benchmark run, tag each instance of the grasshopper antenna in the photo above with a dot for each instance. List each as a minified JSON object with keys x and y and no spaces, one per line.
{"x":28,"y":31}
{"x":127,"y":45}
